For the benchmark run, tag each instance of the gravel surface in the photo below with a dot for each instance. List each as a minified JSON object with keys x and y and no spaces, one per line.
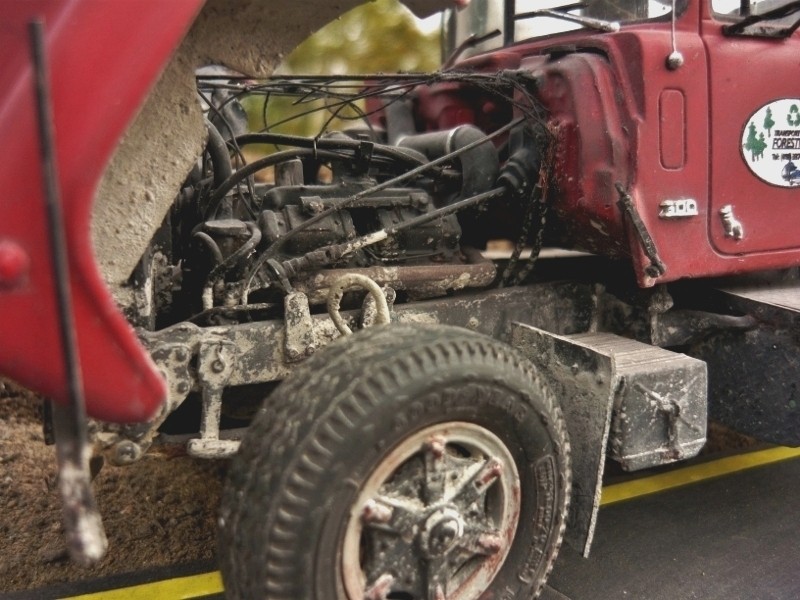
{"x":160,"y":511}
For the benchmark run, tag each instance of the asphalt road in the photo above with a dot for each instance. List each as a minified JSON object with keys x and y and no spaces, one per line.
{"x":733,"y":534}
{"x":735,"y":537}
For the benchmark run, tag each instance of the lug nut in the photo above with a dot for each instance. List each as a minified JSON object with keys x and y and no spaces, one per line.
{"x":436,"y":446}
{"x":375,"y":512}
{"x":493,"y":472}
{"x":490,"y":543}
{"x":381,"y":589}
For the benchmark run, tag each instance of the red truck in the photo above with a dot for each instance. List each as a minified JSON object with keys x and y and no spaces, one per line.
{"x":639,"y":157}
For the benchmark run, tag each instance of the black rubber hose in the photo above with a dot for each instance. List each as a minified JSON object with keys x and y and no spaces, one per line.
{"x":479,"y":167}
{"x":268,"y":161}
{"x":230,"y":262}
{"x":216,"y":253}
{"x":220,"y":191}
{"x":330,"y":143}
{"x":217,"y":149}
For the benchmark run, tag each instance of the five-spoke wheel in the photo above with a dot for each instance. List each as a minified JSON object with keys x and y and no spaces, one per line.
{"x":435,"y":518}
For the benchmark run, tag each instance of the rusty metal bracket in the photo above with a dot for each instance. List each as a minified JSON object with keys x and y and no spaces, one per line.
{"x":656,"y":268}
{"x":301,"y":341}
{"x":215,"y":364}
{"x":173,"y":361}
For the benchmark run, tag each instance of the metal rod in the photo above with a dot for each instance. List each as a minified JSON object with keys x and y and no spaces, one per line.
{"x":509,"y":22}
{"x":85,"y":536}
{"x":744,"y":8}
{"x":328,"y":255}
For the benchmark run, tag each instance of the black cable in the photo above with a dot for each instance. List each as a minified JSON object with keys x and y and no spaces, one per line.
{"x":217,"y":149}
{"x":331,"y":143}
{"x":212,"y":245}
{"x":369,"y":92}
{"x":237,"y":150}
{"x":268,"y":161}
{"x":227,"y":264}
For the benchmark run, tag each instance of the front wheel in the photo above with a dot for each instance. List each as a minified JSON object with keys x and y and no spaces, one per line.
{"x":402,"y":463}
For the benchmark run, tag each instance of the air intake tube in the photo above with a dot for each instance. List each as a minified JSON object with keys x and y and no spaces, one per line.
{"x":479,"y":166}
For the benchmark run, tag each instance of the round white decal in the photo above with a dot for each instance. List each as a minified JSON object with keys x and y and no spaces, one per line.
{"x":771,"y":142}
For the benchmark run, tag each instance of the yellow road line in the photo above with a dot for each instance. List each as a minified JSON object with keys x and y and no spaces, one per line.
{"x":207,"y":584}
{"x":180,"y":588}
{"x":695,"y":473}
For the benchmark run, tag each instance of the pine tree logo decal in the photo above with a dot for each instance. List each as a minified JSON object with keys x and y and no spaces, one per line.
{"x":770,"y":148}
{"x":755,"y":143}
{"x":769,"y":123}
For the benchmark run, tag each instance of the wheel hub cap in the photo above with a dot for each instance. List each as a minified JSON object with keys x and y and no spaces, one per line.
{"x":442,"y":529}
{"x":435,"y":519}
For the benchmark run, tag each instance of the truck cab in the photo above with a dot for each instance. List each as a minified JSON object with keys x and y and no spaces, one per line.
{"x":690,"y":105}
{"x":447,"y":450}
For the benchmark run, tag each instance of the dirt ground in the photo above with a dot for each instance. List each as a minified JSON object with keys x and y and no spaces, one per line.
{"x":160,"y":511}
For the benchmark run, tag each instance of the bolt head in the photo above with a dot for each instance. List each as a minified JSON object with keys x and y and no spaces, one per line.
{"x":441,"y":531}
{"x":381,"y":588}
{"x":494,"y":471}
{"x":443,"y":536}
{"x":14,"y":264}
{"x":490,"y":543}
{"x":126,"y":452}
{"x":374,"y":512}
{"x":436,"y":445}
{"x":675,"y":60}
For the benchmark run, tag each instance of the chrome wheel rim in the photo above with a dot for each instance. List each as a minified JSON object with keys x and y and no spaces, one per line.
{"x":435,"y":519}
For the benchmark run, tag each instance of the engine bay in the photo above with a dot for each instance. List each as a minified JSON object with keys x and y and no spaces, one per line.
{"x":371,"y":192}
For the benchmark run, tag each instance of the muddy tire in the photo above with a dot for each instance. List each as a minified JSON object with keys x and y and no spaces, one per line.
{"x":403,"y":462}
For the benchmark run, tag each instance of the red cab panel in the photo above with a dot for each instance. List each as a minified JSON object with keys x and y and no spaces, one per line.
{"x":103,"y":57}
{"x":755,"y":136}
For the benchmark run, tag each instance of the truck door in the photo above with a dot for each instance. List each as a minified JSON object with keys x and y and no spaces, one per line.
{"x":754,"y":124}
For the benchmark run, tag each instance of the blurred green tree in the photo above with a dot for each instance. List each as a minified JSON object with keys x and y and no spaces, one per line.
{"x":381,"y":36}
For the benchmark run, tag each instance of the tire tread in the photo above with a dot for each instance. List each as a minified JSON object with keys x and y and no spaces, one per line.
{"x":296,"y":433}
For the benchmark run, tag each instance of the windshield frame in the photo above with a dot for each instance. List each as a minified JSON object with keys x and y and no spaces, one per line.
{"x":482,"y":16}
{"x":766,"y":21}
